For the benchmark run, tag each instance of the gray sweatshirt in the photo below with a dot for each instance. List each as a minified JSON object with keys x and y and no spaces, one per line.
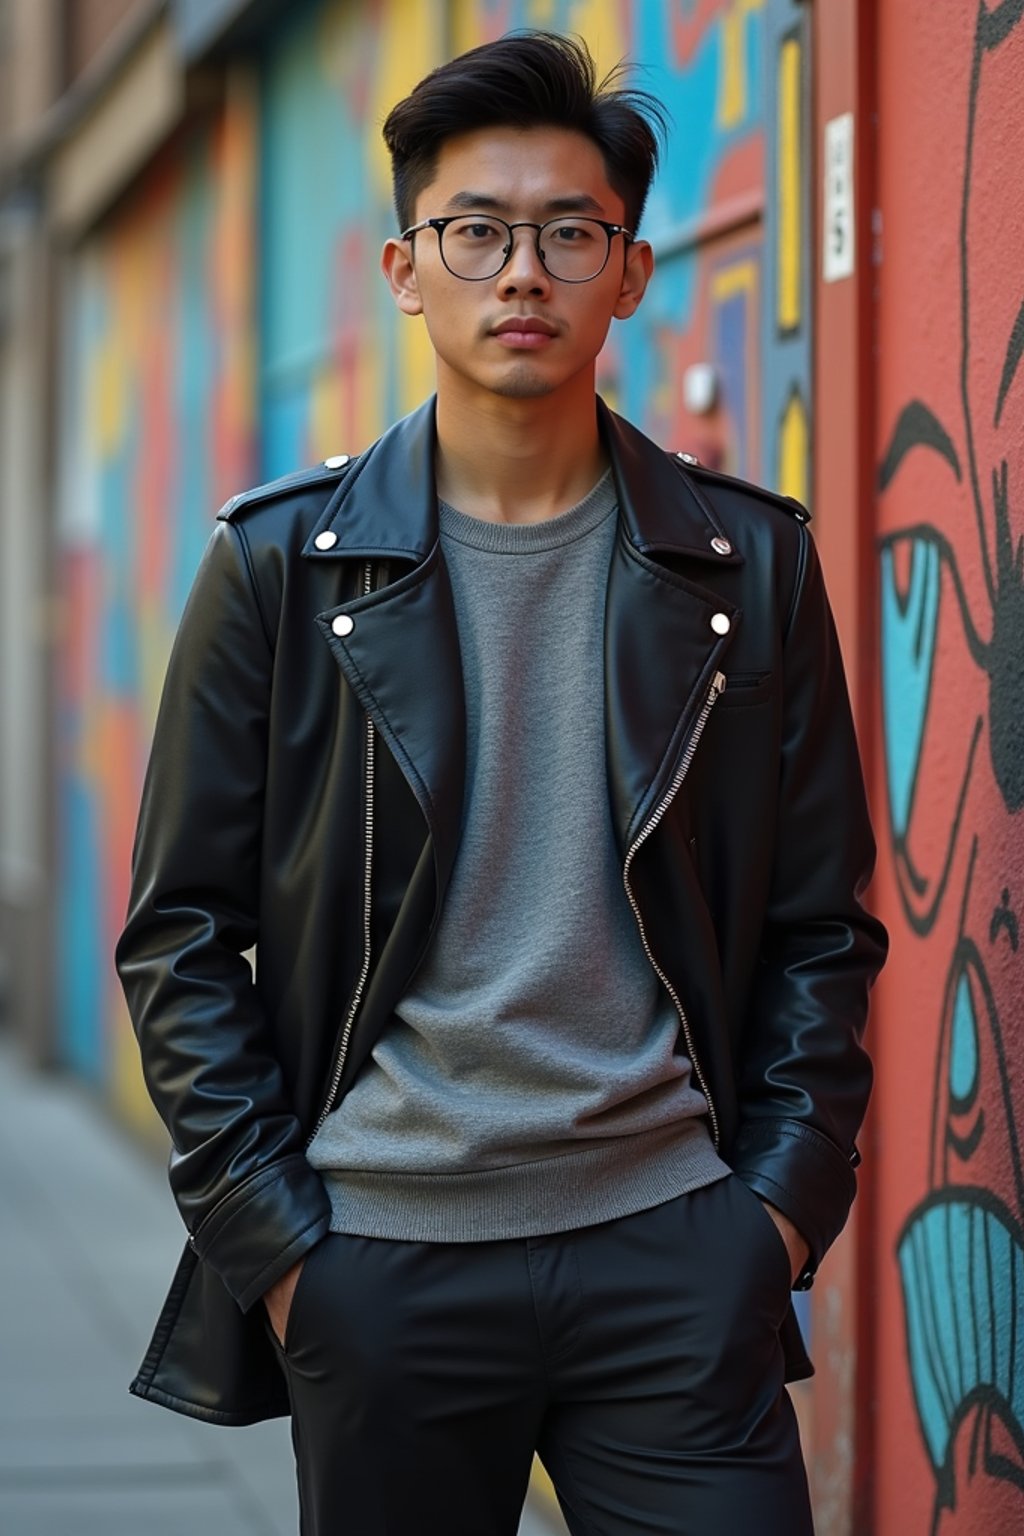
{"x":531,"y":1079}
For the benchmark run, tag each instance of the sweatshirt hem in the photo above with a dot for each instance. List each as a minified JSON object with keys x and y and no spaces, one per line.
{"x":531,"y":1199}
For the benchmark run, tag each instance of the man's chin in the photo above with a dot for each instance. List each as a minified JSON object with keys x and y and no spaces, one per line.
{"x":525,"y":385}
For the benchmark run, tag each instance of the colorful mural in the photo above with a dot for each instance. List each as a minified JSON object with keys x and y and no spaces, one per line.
{"x":160,"y":429}
{"x":952,"y":649}
{"x":336,"y":365}
{"x":228,"y":323}
{"x":338,"y":362}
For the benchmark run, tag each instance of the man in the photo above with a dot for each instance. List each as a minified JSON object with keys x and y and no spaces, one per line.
{"x":521,"y":750}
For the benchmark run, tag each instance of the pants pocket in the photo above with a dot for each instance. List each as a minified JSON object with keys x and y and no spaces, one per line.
{"x":771,"y":1238}
{"x":289,"y":1328}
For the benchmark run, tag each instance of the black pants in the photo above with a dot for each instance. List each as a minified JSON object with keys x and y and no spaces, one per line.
{"x":639,"y":1357}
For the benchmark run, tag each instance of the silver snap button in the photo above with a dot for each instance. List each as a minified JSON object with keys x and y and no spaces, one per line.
{"x":343,"y":624}
{"x":720,"y":623}
{"x":688,"y":458}
{"x":721,"y":546}
{"x":326,"y":540}
{"x":337,"y":461}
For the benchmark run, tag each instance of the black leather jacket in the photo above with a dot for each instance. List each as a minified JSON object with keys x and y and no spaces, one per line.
{"x":304,"y":795}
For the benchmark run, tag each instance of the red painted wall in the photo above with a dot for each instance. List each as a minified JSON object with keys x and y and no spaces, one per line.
{"x":947,"y":1250}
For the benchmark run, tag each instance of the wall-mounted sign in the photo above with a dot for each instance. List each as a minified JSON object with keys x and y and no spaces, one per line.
{"x":838,"y":233}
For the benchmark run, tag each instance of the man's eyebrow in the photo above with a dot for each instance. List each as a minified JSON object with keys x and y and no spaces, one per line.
{"x":483,"y":202}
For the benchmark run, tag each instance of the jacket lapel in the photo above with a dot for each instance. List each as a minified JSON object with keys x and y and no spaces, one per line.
{"x":665,"y":634}
{"x":399,"y":646}
{"x":399,"y":649}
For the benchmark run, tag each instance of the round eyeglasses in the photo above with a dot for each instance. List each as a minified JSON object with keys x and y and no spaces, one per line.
{"x":476,"y":246}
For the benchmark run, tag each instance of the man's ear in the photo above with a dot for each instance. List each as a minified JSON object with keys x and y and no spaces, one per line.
{"x":397,"y":265}
{"x":636,"y":274}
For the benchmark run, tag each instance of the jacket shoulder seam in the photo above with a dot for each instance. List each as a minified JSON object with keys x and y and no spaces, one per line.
{"x":799,"y":580}
{"x":300,"y":480}
{"x":254,"y":584}
{"x":788,"y":504}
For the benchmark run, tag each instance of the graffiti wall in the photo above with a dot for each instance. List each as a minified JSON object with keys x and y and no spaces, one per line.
{"x":228,"y":323}
{"x":338,"y":362}
{"x":158,"y":430}
{"x":949,"y":1110}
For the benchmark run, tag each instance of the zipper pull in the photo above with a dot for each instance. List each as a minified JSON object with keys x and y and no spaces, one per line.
{"x":718,"y":683}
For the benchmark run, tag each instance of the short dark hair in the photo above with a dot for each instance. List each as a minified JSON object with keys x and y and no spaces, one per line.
{"x":526,"y":79}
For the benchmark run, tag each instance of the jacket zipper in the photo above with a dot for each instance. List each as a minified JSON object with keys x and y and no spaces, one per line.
{"x":339,"y":1064}
{"x":717,"y":687}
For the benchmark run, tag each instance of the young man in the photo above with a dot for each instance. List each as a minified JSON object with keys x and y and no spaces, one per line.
{"x":521,"y":750}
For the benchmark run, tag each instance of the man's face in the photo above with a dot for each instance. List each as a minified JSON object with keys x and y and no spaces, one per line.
{"x":531,"y":174}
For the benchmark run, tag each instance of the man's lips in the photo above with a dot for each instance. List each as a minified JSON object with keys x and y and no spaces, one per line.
{"x":524,"y":331}
{"x":524,"y":323}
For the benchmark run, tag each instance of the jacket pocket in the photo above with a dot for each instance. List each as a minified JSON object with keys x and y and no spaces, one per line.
{"x":743,"y":689}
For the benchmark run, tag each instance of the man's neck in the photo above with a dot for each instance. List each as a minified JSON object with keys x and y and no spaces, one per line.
{"x":515,"y":460}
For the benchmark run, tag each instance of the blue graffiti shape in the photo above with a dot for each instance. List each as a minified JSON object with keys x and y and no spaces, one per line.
{"x":963,"y":1054}
{"x":909,"y":626}
{"x":909,"y":630}
{"x":961,"y":1257}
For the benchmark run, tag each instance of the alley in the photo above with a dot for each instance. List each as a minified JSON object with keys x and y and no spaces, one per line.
{"x":91,"y":1238}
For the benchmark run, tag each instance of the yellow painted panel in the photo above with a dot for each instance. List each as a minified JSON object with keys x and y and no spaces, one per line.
{"x":788,"y":221}
{"x":541,"y":13}
{"x":733,"y":93}
{"x":368,"y":386}
{"x":233,"y":269}
{"x":326,"y":414}
{"x":155,"y":635}
{"x":542,"y":1484}
{"x":738,"y":277}
{"x":599,"y":23}
{"x":409,"y":46}
{"x":794,"y":443}
{"x":417,"y":374}
{"x":106,"y":398}
{"x":127,"y":1085}
{"x":465,"y":23}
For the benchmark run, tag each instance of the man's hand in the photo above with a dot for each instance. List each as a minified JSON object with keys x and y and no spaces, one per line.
{"x":278,"y":1299}
{"x":798,"y":1249}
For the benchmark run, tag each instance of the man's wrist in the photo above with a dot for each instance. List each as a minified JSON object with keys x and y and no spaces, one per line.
{"x":797,"y":1246}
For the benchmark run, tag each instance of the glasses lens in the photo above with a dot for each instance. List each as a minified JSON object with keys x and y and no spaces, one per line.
{"x":574,"y":249}
{"x":475,"y":247}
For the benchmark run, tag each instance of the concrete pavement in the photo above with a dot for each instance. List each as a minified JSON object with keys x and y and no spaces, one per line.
{"x":90,"y":1241}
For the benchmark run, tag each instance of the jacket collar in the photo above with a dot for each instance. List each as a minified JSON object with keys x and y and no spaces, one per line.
{"x":386,"y":503}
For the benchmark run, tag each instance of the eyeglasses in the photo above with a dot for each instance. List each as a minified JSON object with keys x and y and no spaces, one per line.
{"x":476,"y":246}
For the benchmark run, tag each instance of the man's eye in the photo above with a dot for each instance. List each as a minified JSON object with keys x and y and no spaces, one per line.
{"x":477,"y":231}
{"x":571,"y":234}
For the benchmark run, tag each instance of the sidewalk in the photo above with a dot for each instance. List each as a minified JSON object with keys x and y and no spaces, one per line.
{"x":90,"y":1241}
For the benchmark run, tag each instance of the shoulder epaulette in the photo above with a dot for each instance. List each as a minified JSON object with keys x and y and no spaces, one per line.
{"x":327,"y":469}
{"x":788,"y":504}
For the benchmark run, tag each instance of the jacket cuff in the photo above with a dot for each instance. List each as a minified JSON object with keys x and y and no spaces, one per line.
{"x":257,"y":1233}
{"x":804,"y":1175}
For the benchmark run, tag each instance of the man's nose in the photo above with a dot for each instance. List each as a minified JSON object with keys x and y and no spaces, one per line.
{"x":525,"y":272}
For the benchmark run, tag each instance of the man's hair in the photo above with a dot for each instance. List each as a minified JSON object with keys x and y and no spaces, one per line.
{"x":526,"y":80}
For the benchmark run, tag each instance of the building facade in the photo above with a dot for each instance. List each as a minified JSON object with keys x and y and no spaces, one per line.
{"x":192,"y":201}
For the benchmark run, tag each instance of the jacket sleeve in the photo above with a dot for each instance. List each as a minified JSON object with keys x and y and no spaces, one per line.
{"x":804,"y":1076}
{"x":251,"y":1201}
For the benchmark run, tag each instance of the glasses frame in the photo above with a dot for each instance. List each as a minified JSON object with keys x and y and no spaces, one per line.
{"x":440,"y":225}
